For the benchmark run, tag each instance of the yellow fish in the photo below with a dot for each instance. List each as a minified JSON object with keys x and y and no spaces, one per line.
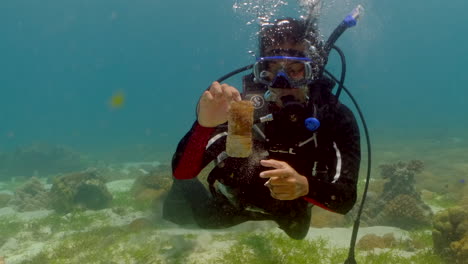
{"x":117,"y":100}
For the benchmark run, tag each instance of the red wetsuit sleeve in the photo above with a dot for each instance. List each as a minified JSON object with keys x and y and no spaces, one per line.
{"x":191,"y":161}
{"x":314,"y":202}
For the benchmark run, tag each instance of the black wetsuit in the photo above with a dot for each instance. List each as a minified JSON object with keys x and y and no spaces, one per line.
{"x":328,"y":157}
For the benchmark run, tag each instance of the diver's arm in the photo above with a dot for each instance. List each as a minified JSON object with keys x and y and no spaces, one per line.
{"x":196,"y":149}
{"x":188,"y":159}
{"x":339,"y":195}
{"x":192,"y":153}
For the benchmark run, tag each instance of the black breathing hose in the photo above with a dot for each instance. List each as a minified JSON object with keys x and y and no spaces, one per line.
{"x":224,"y":77}
{"x":351,"y":259}
{"x":343,"y":70}
{"x":334,"y":37}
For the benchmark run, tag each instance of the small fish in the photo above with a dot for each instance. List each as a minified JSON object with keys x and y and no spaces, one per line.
{"x":117,"y":100}
{"x":462,"y":181}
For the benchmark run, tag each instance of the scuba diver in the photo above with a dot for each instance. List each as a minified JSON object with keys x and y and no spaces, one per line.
{"x":306,"y":143}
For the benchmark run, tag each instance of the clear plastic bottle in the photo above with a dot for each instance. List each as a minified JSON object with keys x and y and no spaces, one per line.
{"x":240,"y":122}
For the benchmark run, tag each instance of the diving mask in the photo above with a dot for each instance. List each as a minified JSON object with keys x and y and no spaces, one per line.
{"x":283,"y":71}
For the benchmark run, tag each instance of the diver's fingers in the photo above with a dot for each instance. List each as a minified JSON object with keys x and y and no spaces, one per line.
{"x":280,"y":185}
{"x":227,"y":91}
{"x":274,"y":163}
{"x":281,"y":189}
{"x":236,"y":95}
{"x":277,"y":173}
{"x":230,"y":92}
{"x":276,"y":182}
{"x":281,"y":181}
{"x":282,"y":196}
{"x":207,"y":96}
{"x":216,"y":90}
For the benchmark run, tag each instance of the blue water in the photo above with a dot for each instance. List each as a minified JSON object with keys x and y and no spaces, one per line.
{"x":61,"y":61}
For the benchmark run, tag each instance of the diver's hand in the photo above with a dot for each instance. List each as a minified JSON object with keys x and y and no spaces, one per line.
{"x":284,"y":182}
{"x":214,"y":104}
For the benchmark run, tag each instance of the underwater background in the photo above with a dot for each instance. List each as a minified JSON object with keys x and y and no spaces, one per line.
{"x":105,"y":84}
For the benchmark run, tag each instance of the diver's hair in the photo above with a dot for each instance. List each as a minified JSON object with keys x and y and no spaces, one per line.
{"x":287,"y":30}
{"x":282,"y":31}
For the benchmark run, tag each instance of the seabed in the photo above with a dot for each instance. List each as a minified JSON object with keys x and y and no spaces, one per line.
{"x":129,"y":231}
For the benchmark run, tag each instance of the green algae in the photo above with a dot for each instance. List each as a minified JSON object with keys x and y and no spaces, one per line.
{"x":117,"y":244}
{"x":89,"y":238}
{"x":98,"y":245}
{"x":76,"y":220}
{"x":120,"y":245}
{"x":9,"y":227}
{"x":272,"y":248}
{"x":444,"y":201}
{"x":262,"y":248}
{"x":126,"y":200}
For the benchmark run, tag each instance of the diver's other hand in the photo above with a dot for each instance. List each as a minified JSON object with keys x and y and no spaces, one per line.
{"x":284,"y":182}
{"x":214,"y":104}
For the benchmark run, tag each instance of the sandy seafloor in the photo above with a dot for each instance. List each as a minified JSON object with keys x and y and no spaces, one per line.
{"x":445,"y":164}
